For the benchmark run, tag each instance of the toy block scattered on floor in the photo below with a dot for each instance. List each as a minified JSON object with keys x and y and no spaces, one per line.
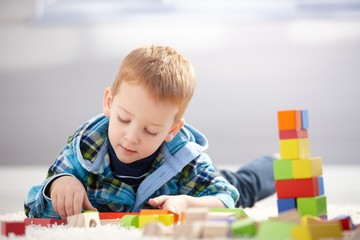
{"x":115,"y":215}
{"x":160,"y":212}
{"x":12,"y":228}
{"x":86,"y":219}
{"x":244,"y":228}
{"x":196,"y":214}
{"x":346,"y":222}
{"x":274,"y":229}
{"x":239,"y":212}
{"x":45,"y":222}
{"x":215,"y":230}
{"x":130,"y":221}
{"x":157,"y":229}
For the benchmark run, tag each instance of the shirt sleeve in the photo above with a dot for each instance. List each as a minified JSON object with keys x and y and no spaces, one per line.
{"x":37,"y":204}
{"x":200,"y":178}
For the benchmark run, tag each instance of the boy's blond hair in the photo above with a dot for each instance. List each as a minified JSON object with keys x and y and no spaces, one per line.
{"x":165,"y":74}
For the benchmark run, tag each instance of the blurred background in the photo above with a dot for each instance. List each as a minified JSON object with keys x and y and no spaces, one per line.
{"x":252,"y":59}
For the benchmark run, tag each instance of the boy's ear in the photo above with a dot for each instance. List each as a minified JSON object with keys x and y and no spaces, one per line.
{"x":174,"y":130}
{"x":107,"y":101}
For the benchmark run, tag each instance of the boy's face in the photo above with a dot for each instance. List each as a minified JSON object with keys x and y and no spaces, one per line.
{"x":138,"y":124}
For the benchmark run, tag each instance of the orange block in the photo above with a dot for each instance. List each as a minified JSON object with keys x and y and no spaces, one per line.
{"x":289,"y":120}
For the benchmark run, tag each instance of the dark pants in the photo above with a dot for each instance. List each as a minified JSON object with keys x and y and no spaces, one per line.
{"x":254,"y":181}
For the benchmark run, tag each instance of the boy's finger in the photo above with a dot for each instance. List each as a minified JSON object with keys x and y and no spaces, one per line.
{"x":69,"y":204}
{"x":87,"y":204}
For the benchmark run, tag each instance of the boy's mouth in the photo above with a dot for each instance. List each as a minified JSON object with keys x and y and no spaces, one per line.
{"x":127,"y":151}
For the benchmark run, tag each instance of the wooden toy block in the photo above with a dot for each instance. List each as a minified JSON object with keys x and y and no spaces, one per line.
{"x":301,"y":232}
{"x":160,"y":212}
{"x":289,"y":216}
{"x":314,"y":206}
{"x":110,"y":222}
{"x":289,"y":120}
{"x":321,"y":185}
{"x":294,"y":148}
{"x":243,"y":228}
{"x":291,"y":134}
{"x":189,"y":230}
{"x":272,"y":229}
{"x":12,"y":228}
{"x":130,"y":221}
{"x":166,"y":219}
{"x":196,"y":214}
{"x":215,"y":230}
{"x":304,"y":119}
{"x":239,"y":212}
{"x":147,"y":218}
{"x":87,"y":219}
{"x":158,"y":229}
{"x":295,"y":188}
{"x":283,"y":169}
{"x":345,"y":221}
{"x":307,"y":168}
{"x":286,"y":204}
{"x":222,"y":216}
{"x":318,"y":229}
{"x":45,"y":222}
{"x":114,"y":215}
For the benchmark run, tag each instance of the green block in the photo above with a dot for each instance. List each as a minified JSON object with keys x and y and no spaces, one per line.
{"x":314,"y":206}
{"x":239,"y":212}
{"x":130,"y":221}
{"x":273,"y":229}
{"x":243,"y":228}
{"x":283,"y":169}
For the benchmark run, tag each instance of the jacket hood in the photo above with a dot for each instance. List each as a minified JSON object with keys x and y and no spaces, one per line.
{"x":90,"y":143}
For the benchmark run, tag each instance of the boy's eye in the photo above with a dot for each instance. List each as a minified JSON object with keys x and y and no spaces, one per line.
{"x":123,"y":120}
{"x":150,"y":133}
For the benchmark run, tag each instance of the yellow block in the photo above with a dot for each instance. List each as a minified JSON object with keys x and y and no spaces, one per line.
{"x":301,"y":232}
{"x":307,"y":168}
{"x":166,"y":219}
{"x":145,"y":219}
{"x":321,"y":229}
{"x":298,"y":148}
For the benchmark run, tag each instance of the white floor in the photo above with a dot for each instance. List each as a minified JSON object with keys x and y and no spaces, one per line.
{"x":341,"y":185}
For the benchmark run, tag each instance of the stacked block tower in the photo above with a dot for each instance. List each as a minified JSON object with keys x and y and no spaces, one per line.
{"x":298,"y":176}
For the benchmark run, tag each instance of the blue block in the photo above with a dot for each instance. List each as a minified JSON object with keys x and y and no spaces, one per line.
{"x":321,"y":185}
{"x":304,"y":119}
{"x":286,"y":204}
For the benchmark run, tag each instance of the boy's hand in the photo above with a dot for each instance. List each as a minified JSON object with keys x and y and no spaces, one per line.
{"x":179,"y":203}
{"x":68,"y":196}
{"x":176,"y":204}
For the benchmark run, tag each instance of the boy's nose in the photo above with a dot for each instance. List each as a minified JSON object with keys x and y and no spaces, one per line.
{"x":132,"y":135}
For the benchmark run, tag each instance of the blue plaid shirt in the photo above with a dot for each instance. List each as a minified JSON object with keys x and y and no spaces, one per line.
{"x":184,"y":165}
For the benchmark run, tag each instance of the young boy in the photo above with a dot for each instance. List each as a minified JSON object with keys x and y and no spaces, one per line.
{"x":140,"y":154}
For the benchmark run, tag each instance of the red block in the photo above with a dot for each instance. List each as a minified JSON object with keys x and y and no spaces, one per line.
{"x":16,"y":228}
{"x":291,"y":134}
{"x":115,"y":215}
{"x":346,"y":222}
{"x":45,"y":222}
{"x":295,"y":188}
